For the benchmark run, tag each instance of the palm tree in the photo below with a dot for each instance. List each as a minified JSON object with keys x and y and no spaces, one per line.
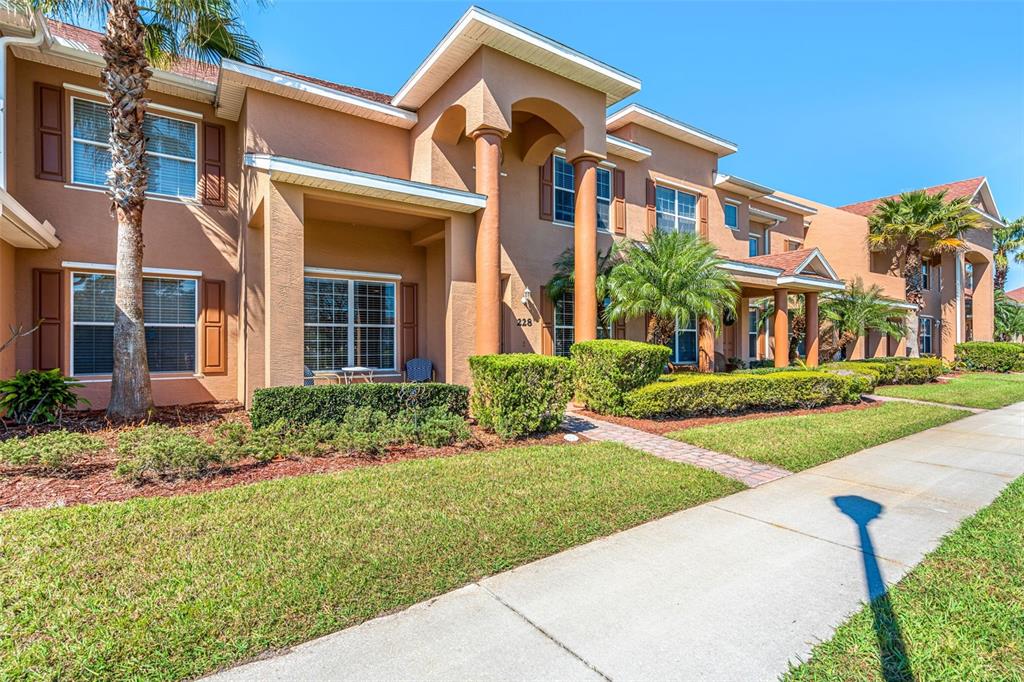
{"x":797,"y":321}
{"x":564,"y":279}
{"x":670,"y":278}
{"x":1009,"y":320}
{"x":139,"y":35}
{"x":1007,"y":241}
{"x":849,"y":314}
{"x":915,"y":225}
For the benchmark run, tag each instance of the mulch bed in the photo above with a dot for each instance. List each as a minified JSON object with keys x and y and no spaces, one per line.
{"x":93,"y":480}
{"x":663,"y":426}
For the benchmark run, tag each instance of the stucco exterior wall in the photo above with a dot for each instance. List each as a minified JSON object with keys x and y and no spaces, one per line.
{"x":7,"y":308}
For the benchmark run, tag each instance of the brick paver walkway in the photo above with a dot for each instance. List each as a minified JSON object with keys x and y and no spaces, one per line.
{"x":750,"y":473}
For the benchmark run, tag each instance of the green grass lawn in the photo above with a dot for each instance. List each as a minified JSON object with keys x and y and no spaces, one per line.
{"x":960,"y":613}
{"x":803,"y":441}
{"x":971,"y":390}
{"x":166,"y":588}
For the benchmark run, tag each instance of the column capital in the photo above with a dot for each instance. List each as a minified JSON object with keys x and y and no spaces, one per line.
{"x":485,"y":131}
{"x":585,"y":157}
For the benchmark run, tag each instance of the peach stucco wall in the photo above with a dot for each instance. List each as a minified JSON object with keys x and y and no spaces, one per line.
{"x":7,"y":308}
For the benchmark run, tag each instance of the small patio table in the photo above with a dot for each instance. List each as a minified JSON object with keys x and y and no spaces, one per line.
{"x":352,"y":374}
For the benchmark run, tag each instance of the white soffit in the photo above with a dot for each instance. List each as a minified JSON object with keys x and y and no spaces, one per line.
{"x":478,"y":28}
{"x":789,"y":205}
{"x":235,"y":77}
{"x":21,"y":229}
{"x":345,"y":180}
{"x":627,"y":150}
{"x":677,"y":130}
{"x":746,"y":188}
{"x":761,"y":216}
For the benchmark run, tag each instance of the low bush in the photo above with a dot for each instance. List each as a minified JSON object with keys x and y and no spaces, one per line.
{"x":607,"y":369}
{"x":52,"y":451}
{"x":158,"y":451}
{"x":434,"y":427}
{"x":36,"y":396}
{"x":518,"y":394}
{"x":279,"y":439}
{"x":329,"y":403}
{"x":695,"y":394}
{"x":890,"y":371}
{"x":990,"y":356}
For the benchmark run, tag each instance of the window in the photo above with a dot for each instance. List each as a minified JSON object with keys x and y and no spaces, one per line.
{"x":925,"y":335}
{"x":968,"y":275}
{"x":564,"y":327}
{"x":170,"y":150}
{"x":926,"y":276}
{"x":793,"y":245}
{"x":676,"y":211}
{"x":684,"y":351}
{"x":752,"y":320}
{"x":732,"y":220}
{"x":170,"y":308}
{"x":565,"y":194}
{"x":753,"y":245}
{"x":349,"y":323}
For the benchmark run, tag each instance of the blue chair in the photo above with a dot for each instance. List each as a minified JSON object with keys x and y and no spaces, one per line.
{"x":419,"y":370}
{"x":307,"y":376}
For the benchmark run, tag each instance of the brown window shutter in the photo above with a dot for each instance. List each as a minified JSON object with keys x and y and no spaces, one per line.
{"x":410,"y":323}
{"x":652,"y":212}
{"x":49,"y":121}
{"x":48,"y":311}
{"x":214,"y":187}
{"x":619,"y":200}
{"x":215,"y":328}
{"x":619,"y":331}
{"x":547,"y":323}
{"x":547,"y":189}
{"x":702,"y":212}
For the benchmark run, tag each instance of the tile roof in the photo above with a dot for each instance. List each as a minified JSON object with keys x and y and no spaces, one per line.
{"x":954,"y":190}
{"x":90,"y":41}
{"x":1016,"y":294}
{"x":787,"y":261}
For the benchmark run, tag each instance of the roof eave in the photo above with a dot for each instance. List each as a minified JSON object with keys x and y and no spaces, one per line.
{"x":666,"y":125}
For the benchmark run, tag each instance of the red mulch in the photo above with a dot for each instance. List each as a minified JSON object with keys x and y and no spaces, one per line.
{"x":93,"y":480}
{"x":663,"y":426}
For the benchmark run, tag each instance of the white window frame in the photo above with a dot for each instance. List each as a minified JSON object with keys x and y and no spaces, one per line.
{"x":926,"y":276}
{"x":968,"y":275}
{"x":757,"y":239}
{"x":555,"y":327}
{"x":106,"y":145}
{"x":676,"y":217}
{"x":195,"y":325}
{"x":555,"y":189}
{"x":676,"y":346}
{"x":926,"y":322}
{"x":605,"y":201}
{"x":753,"y":333}
{"x":736,"y":215}
{"x":351,"y":325}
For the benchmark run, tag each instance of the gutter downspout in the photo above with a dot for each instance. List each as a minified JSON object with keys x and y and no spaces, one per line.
{"x":39,"y":35}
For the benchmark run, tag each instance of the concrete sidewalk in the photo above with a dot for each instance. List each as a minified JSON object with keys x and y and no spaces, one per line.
{"x":735,"y":589}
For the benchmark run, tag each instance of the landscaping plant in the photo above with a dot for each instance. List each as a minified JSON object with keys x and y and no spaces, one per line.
{"x":38,"y":396}
{"x":849,"y":314}
{"x":990,"y":356}
{"x":1007,"y":243}
{"x":157,"y":451}
{"x":888,"y":371}
{"x":607,"y":369}
{"x":1009,"y":318}
{"x":517,"y":394}
{"x":51,"y":451}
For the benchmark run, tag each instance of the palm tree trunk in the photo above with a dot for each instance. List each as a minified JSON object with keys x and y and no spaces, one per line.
{"x":125,"y":79}
{"x":999,"y":279}
{"x":660,"y":330}
{"x":912,"y":277}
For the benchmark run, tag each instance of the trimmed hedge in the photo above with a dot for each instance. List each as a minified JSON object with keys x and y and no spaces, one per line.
{"x":607,"y":369}
{"x":990,"y":356}
{"x":516,"y":394}
{"x":330,"y":402}
{"x":889,"y":371}
{"x":695,"y":394}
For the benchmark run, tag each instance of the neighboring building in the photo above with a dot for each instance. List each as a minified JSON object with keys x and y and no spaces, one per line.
{"x":1016,"y":294}
{"x":299,"y":223}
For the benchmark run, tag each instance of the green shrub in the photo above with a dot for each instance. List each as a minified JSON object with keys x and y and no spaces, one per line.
{"x":694,"y":394}
{"x":607,"y":369}
{"x":329,"y":403}
{"x":433,"y":427}
{"x":890,"y":371}
{"x":34,"y":397}
{"x":52,"y":451}
{"x":159,"y":451}
{"x":280,"y":439}
{"x":990,"y":356}
{"x":368,"y":431}
{"x":518,"y":394}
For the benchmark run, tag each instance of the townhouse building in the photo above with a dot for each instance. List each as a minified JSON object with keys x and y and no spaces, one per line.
{"x":296,"y":223}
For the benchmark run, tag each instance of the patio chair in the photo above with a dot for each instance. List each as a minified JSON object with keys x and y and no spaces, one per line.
{"x":307,"y":376}
{"x":419,"y":370}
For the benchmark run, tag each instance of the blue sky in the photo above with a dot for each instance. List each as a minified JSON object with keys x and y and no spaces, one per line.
{"x":834,"y":101}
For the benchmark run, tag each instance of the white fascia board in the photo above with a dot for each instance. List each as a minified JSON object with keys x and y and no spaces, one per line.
{"x":406,"y":118}
{"x":109,"y":267}
{"x":631,"y":111}
{"x":816,"y":254}
{"x":767,"y":214}
{"x":985,"y":216}
{"x":412,"y":189}
{"x":25,"y":230}
{"x":750,"y":268}
{"x":987,"y":190}
{"x":516,"y":32}
{"x":753,"y":189}
{"x":789,"y":204}
{"x":627,"y":149}
{"x":812,"y":282}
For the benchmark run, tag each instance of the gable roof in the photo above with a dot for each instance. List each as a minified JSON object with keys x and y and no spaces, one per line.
{"x":1016,"y":294}
{"x":666,"y":125}
{"x":954,"y":190}
{"x":802,"y":262}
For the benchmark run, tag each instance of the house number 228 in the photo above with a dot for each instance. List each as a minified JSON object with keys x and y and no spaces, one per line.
{"x":524,"y":322}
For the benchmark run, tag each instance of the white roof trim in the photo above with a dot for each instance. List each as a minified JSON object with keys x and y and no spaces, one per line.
{"x":21,"y":229}
{"x":738,"y":185}
{"x":477,"y":27}
{"x":627,"y":150}
{"x":765,"y":215}
{"x":648,"y":118}
{"x":816,"y":254}
{"x":230,"y":95}
{"x":350,"y":181}
{"x":988,"y":195}
{"x":789,"y":204}
{"x":815,"y":282}
{"x":985,"y":216}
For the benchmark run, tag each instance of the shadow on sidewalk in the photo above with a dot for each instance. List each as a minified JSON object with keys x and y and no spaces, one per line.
{"x":891,"y":648}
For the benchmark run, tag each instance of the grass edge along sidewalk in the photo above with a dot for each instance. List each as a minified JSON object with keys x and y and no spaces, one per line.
{"x":981,"y":390}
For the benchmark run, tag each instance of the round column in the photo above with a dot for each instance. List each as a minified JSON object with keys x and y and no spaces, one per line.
{"x":488,"y":243}
{"x":585,"y":248}
{"x":780,"y":328}
{"x":811,"y":313}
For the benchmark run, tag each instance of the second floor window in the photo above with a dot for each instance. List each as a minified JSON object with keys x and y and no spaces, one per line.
{"x":676,"y":210}
{"x":565,"y":194}
{"x":753,"y":245}
{"x":170,"y":150}
{"x":926,"y":276}
{"x":732,"y":219}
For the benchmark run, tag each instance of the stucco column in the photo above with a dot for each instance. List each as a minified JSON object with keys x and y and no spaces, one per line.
{"x":780,"y":327}
{"x":283,"y":269}
{"x":488,"y":242}
{"x":585,"y":321}
{"x":811,"y":312}
{"x":705,"y":345}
